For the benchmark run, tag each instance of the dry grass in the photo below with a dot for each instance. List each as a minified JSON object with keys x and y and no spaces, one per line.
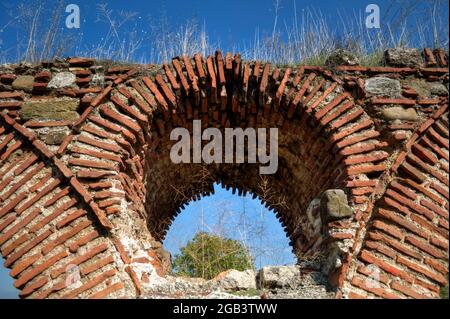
{"x":308,"y":38}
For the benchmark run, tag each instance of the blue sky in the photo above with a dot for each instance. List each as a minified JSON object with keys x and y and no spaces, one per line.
{"x":232,"y":24}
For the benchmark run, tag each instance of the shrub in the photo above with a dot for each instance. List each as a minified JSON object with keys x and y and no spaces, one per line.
{"x":207,"y":255}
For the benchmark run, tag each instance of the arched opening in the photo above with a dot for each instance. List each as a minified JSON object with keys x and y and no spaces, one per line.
{"x":241,"y":218}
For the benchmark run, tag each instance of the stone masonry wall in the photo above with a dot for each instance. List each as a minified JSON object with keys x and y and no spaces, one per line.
{"x":88,"y":192}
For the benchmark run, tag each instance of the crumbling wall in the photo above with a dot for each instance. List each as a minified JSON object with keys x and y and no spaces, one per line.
{"x":87,"y":189}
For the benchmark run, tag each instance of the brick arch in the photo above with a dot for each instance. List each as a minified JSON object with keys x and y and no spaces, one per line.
{"x":94,"y":199}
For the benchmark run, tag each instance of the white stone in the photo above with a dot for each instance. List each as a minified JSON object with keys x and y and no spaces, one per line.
{"x":279,"y":276}
{"x":62,"y":80}
{"x":236,"y":280}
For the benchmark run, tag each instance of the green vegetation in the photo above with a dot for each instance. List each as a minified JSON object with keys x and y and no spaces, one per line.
{"x":207,"y":255}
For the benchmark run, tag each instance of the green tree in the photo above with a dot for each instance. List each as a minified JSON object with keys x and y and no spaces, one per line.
{"x":207,"y":255}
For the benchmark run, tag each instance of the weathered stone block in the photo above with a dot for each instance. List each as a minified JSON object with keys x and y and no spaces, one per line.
{"x":403,"y":57}
{"x":51,"y":109}
{"x":55,"y":137}
{"x":24,"y":82}
{"x":383,"y":86}
{"x":62,"y":80}
{"x":342,"y":57}
{"x":334,"y":205}
{"x":234,"y":280}
{"x":399,"y":113}
{"x":279,"y":276}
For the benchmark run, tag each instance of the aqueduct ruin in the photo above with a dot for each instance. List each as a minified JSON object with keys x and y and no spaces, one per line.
{"x":86,"y":179}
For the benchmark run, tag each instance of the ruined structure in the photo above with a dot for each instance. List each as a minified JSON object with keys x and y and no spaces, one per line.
{"x":86,"y":182}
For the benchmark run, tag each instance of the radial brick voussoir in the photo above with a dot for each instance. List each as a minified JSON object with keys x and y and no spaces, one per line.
{"x":88,"y":190}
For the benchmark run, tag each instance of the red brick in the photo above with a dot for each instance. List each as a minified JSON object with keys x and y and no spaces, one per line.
{"x":100,"y":185}
{"x":337,"y":112}
{"x":63,"y":146}
{"x":10,"y":104}
{"x":91,"y":163}
{"x":8,"y":221}
{"x":7,"y":235}
{"x":409,"y":291}
{"x":361,"y":183}
{"x":65,"y":236}
{"x":128,"y":109}
{"x":396,"y":244}
{"x":33,"y":243}
{"x":55,"y":213}
{"x":377,"y":100}
{"x":365,"y":158}
{"x":423,"y":270}
{"x":43,"y":149}
{"x":439,"y":210}
{"x":354,"y":295}
{"x":391,"y":230}
{"x":90,"y":284}
{"x":12,"y":204}
{"x":388,"y":267}
{"x":24,"y":165}
{"x":24,"y":264}
{"x":63,"y":192}
{"x":410,"y":204}
{"x":103,"y":145}
{"x":91,"y":253}
{"x":38,"y":196}
{"x":364,"y":169}
{"x":368,"y":272}
{"x":11,"y":95}
{"x":100,"y":215}
{"x":429,"y":144}
{"x":177,"y":66}
{"x":220,"y":70}
{"x":380,"y":248}
{"x":26,"y":277}
{"x":94,"y":174}
{"x":123,"y":254}
{"x":70,"y":218}
{"x":80,"y":61}
{"x":96,"y":154}
{"x":320,"y":99}
{"x":312,"y":93}
{"x":364,"y":147}
{"x":27,"y":177}
{"x":438,"y":242}
{"x":437,"y":265}
{"x":92,"y":267}
{"x":383,"y":293}
{"x":405,"y":190}
{"x":441,"y":190}
{"x":427,"y":168}
{"x":413,"y":172}
{"x":401,"y":221}
{"x":424,"y":191}
{"x":134,"y":279}
{"x":31,"y":288}
{"x":422,"y":245}
{"x":108,"y":112}
{"x":107,"y":291}
{"x":63,"y":168}
{"x":11,"y":149}
{"x":427,"y":224}
{"x":83,"y":240}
